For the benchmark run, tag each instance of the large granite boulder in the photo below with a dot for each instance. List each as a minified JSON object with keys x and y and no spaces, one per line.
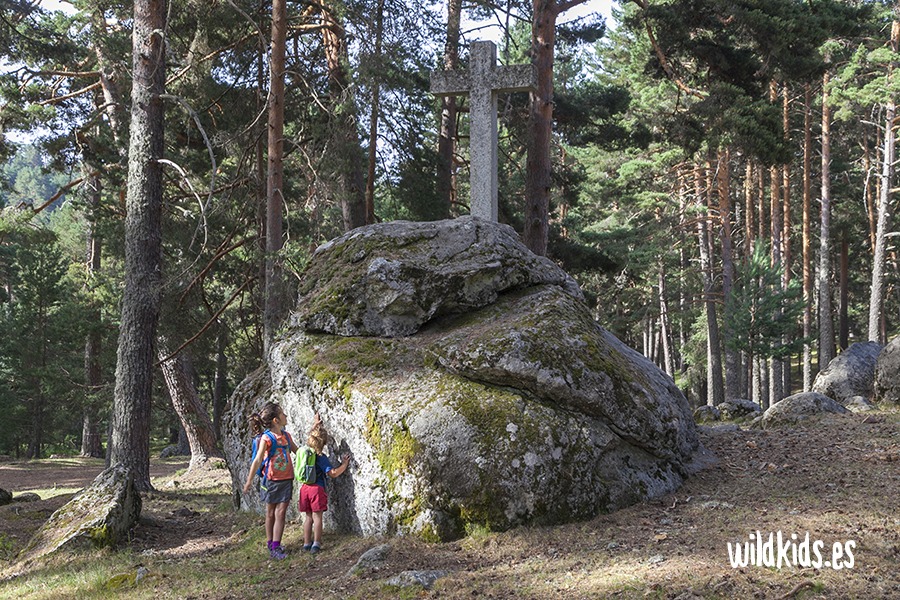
{"x":504,"y":403}
{"x":99,"y":515}
{"x":887,"y":373}
{"x":796,"y":409}
{"x":850,"y":373}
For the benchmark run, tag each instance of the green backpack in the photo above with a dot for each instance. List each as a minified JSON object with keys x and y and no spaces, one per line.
{"x":306,"y":465}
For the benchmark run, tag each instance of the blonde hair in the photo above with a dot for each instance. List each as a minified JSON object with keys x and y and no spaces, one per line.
{"x":317,"y":439}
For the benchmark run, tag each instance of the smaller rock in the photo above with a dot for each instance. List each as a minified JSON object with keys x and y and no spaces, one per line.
{"x":371,"y":559}
{"x":5,"y":497}
{"x":711,"y":504}
{"x":850,"y":373}
{"x":738,"y":408}
{"x":800,"y":407}
{"x":425,"y":579}
{"x":858,"y":404}
{"x":27,"y":497}
{"x":656,"y":559}
{"x":707,"y":414}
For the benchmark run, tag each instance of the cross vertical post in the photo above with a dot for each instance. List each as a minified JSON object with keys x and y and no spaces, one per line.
{"x":482,"y":82}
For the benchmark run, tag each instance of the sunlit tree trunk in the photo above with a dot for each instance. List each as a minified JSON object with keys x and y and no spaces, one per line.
{"x":876,"y":296}
{"x":826,"y":324}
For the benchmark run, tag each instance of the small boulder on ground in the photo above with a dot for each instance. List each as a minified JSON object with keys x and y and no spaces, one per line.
{"x":859,"y":404}
{"x":887,"y":373}
{"x":738,"y":408}
{"x":851,"y":373}
{"x":99,"y":515}
{"x":798,"y":408}
{"x":5,"y":497}
{"x":707,"y":414}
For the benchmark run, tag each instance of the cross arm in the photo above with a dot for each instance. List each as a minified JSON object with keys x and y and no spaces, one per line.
{"x":450,"y":83}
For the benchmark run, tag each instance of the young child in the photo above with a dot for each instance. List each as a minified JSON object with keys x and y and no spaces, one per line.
{"x":277,"y":484}
{"x":313,"y":498}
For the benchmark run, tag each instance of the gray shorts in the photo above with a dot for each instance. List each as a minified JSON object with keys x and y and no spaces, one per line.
{"x":276,"y":492}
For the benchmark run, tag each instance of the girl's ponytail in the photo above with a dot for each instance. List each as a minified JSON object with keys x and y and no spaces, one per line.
{"x":256,"y":424}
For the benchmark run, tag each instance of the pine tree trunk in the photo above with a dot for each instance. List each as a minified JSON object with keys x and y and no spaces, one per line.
{"x":191,"y":413}
{"x":876,"y":295}
{"x":715,"y":385}
{"x":447,"y":139}
{"x":776,"y":213}
{"x":844,"y":295}
{"x":275,"y":302}
{"x":373,"y":118}
{"x":664,"y":326}
{"x":732,"y":355}
{"x":130,"y":440}
{"x":807,"y":240}
{"x":786,"y":256}
{"x":826,"y":324}
{"x":347,"y":157}
{"x":538,"y":168}
{"x":220,"y":387}
{"x":91,"y":444}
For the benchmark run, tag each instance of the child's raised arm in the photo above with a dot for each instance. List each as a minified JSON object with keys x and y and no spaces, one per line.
{"x":338,"y":470}
{"x":254,"y":467}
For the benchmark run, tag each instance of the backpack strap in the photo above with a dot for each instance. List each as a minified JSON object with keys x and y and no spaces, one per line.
{"x":273,"y":446}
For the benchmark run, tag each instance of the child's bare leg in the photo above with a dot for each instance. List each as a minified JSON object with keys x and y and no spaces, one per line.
{"x":317,"y":527}
{"x":278,"y":527}
{"x":270,"y":521}
{"x":308,"y":529}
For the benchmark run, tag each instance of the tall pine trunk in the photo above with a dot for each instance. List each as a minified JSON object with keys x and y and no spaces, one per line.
{"x":130,"y":439}
{"x":447,"y":139}
{"x":373,"y":118}
{"x":876,"y":295}
{"x":807,"y":240}
{"x":347,"y":157}
{"x":826,"y":323}
{"x":715,"y":385}
{"x":91,"y":444}
{"x":732,"y":355}
{"x":275,"y":301}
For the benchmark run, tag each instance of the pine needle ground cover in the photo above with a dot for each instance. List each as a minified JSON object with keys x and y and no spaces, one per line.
{"x":836,"y":479}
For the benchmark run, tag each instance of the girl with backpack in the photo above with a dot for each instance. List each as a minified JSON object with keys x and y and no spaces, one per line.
{"x":273,"y":463}
{"x":313,"y":498}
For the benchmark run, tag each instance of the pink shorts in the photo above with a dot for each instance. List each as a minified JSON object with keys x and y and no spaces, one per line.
{"x":312,"y":499}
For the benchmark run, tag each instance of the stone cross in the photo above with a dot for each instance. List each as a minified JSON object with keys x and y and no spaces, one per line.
{"x":482,"y":82}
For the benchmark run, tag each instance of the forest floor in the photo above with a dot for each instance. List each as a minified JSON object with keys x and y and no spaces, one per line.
{"x":837,"y":479}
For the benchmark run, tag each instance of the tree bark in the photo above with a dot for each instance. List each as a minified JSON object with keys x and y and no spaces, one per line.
{"x":130,"y":440}
{"x":807,"y":239}
{"x":844,"y":294}
{"x":876,"y":295}
{"x":447,"y":139}
{"x":347,"y":157}
{"x":826,"y":324}
{"x":91,"y":444}
{"x":732,"y":355}
{"x":373,"y":118}
{"x":274,"y":287}
{"x":194,"y":418}
{"x":715,"y":385}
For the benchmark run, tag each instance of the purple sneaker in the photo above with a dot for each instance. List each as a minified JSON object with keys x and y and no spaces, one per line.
{"x":278,"y":553}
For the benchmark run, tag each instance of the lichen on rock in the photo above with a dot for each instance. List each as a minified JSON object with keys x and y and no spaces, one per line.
{"x":469,"y":382}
